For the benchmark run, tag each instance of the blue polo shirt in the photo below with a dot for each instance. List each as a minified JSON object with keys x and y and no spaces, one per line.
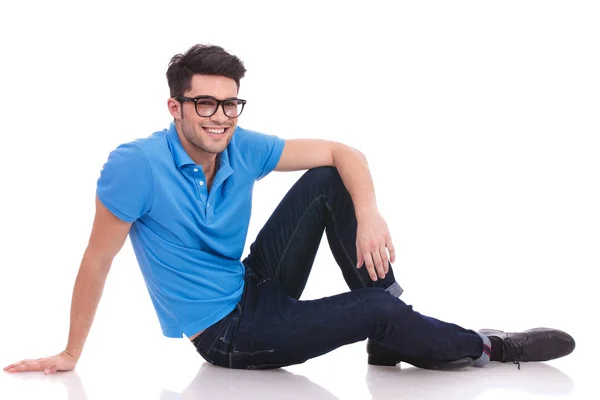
{"x":188,"y":241}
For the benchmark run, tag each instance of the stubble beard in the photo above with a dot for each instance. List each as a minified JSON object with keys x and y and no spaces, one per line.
{"x":198,"y":139}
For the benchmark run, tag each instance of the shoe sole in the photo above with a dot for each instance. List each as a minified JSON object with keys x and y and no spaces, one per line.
{"x":456,"y":365}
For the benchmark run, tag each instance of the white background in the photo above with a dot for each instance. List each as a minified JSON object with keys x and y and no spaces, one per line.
{"x":480,"y":121}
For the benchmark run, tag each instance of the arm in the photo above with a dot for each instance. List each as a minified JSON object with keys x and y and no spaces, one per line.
{"x":351,"y":164}
{"x":106,"y":239}
{"x":373,"y":236}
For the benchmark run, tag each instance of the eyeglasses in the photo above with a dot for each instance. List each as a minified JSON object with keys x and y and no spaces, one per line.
{"x":207,"y":106}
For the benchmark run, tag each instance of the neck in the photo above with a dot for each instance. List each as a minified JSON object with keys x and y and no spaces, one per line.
{"x":210,"y":170}
{"x":208,"y":161}
{"x":200,"y":157}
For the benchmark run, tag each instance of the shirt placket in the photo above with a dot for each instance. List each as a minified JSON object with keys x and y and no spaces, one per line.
{"x":201,"y":188}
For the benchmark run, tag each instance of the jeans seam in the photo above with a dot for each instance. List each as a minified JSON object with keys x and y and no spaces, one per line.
{"x":240,"y":310}
{"x":224,"y":335}
{"x":216,"y":339}
{"x":252,"y":353}
{"x":337,"y":235}
{"x":289,"y":243}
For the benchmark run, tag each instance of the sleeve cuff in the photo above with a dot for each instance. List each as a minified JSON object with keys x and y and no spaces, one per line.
{"x":273,"y":158}
{"x":114,"y":210}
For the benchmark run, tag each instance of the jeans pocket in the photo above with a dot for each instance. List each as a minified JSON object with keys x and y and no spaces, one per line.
{"x":215,"y":344}
{"x":211,"y":337}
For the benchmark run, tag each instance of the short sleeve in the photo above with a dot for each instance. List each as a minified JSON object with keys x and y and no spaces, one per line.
{"x":125,"y":184}
{"x":265,"y":151}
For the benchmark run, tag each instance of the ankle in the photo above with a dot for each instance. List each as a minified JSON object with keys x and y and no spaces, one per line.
{"x":497,"y":349}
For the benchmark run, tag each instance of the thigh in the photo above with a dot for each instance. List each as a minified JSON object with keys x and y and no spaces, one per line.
{"x":276,"y":330}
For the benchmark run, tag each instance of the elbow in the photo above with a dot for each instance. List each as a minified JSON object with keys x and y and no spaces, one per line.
{"x":359,"y":153}
{"x":340,"y":151}
{"x":97,"y":261}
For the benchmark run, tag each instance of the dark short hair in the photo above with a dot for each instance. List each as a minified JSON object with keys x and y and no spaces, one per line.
{"x":205,"y":60}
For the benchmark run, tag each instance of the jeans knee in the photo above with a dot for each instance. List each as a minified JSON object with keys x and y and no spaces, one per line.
{"x":327,"y":177}
{"x":319,"y":173}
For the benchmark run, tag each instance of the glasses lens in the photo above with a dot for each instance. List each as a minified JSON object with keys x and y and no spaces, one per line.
{"x":206,"y":107}
{"x":233,"y":108}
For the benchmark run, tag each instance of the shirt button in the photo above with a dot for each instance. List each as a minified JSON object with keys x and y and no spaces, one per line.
{"x":207,"y":204}
{"x":195,"y":169}
{"x":201,"y":183}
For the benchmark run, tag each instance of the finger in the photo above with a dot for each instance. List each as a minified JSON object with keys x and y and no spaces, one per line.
{"x":360,"y":261}
{"x":392,"y":251}
{"x":370,"y":267}
{"x":32,"y":366}
{"x":384,"y":260}
{"x":378,"y":263}
{"x":12,"y":366}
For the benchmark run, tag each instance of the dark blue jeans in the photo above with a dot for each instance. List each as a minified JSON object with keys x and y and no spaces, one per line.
{"x":272,"y":328}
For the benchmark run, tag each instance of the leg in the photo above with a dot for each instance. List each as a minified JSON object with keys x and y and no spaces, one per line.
{"x":269,"y":329}
{"x":285,"y":248}
{"x":276,"y":330}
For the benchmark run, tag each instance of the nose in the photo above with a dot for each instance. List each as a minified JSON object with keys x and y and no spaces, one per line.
{"x":219,"y":116}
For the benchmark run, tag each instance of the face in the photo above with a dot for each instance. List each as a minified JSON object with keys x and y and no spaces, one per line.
{"x":205,"y":137}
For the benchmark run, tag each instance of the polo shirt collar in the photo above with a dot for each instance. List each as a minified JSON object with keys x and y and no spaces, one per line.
{"x":180,"y":156}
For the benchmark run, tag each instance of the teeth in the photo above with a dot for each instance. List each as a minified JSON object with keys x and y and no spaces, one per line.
{"x":215,"y":131}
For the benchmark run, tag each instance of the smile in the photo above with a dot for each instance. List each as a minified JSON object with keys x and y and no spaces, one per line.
{"x":215,"y":131}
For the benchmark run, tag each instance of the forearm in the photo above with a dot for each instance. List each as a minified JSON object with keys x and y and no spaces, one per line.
{"x":354,"y":170}
{"x":87,"y":291}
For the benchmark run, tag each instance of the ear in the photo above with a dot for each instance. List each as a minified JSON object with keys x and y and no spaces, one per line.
{"x":174,"y":108}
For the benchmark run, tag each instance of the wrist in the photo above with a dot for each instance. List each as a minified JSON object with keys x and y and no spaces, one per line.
{"x":72,"y":353}
{"x":365,"y":211}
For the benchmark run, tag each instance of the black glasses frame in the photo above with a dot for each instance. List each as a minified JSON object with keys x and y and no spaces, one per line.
{"x":221,"y":103}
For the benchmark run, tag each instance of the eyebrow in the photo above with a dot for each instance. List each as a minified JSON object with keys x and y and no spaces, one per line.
{"x":202,"y":95}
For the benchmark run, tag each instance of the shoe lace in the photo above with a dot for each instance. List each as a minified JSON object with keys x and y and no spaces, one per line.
{"x":514,"y":352}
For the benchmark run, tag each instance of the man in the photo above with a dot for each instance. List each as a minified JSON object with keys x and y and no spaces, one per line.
{"x":183,"y":195}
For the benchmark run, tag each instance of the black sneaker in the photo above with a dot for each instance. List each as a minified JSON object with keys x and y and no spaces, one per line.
{"x":539,"y":344}
{"x":380,"y":355}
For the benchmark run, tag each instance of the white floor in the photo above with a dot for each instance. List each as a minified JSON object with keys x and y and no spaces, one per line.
{"x":340,"y":375}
